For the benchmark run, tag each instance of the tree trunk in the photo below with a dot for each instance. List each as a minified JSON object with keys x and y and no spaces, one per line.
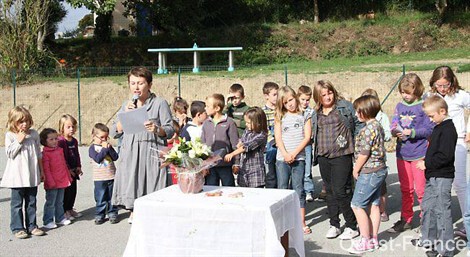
{"x":316,"y":15}
{"x":103,"y":29}
{"x":441,"y":6}
{"x":41,"y":38}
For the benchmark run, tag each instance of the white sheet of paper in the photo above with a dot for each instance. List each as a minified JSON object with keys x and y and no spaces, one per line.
{"x":133,"y":121}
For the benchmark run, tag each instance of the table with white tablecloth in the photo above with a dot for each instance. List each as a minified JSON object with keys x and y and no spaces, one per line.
{"x":170,"y":223}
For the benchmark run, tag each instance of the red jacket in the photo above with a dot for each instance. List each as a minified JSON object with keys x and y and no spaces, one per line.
{"x":56,"y":172}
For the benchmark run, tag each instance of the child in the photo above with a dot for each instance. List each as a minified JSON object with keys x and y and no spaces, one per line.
{"x":180,"y":108}
{"x":67,"y":128}
{"x":292,"y":133}
{"x":334,"y":125}
{"x":412,"y":127}
{"x":23,"y":172}
{"x":439,"y":171}
{"x":384,"y":121}
{"x":193,"y":129}
{"x":251,"y":148}
{"x":305,"y":94}
{"x":444,"y":83}
{"x":236,"y":107}
{"x":270,"y":94}
{"x":220,"y":133}
{"x":370,"y":172}
{"x":104,"y":156}
{"x":56,"y":178}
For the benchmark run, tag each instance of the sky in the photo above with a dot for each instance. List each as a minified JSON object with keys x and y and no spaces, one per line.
{"x":70,"y":21}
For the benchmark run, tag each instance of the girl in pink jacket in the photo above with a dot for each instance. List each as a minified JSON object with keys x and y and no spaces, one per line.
{"x":57,"y":177}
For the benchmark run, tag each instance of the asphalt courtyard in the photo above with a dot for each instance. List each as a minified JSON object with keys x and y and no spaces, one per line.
{"x":84,"y":238}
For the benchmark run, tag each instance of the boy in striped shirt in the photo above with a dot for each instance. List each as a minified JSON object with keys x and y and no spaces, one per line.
{"x":104,"y":156}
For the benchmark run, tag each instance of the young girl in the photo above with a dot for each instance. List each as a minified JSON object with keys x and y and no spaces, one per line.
{"x":251,"y":147}
{"x":292,"y":132}
{"x":445,"y":84}
{"x":180,"y":109}
{"x":334,"y":125}
{"x":67,"y":128}
{"x":412,"y":127}
{"x":23,"y":172}
{"x":384,"y":121}
{"x":370,"y":172}
{"x":56,"y":178}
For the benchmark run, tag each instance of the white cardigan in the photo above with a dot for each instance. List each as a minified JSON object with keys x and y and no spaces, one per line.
{"x":22,"y":169}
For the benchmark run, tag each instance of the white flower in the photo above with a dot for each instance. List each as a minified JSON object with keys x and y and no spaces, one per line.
{"x":192,"y":154}
{"x":179,"y":154}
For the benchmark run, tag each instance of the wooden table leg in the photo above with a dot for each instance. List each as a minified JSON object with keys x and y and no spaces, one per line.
{"x":285,"y":243}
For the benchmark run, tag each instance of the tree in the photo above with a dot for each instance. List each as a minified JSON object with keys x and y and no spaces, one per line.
{"x":104,"y":10}
{"x":316,"y":14}
{"x":23,"y":29}
{"x":441,"y":6}
{"x":86,"y":21}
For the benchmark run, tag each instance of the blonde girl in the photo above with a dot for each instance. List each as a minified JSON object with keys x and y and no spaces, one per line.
{"x":412,"y":127}
{"x":67,"y":128}
{"x":23,"y":172}
{"x":292,"y":132}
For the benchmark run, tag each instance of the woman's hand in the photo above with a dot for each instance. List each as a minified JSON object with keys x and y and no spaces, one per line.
{"x":150,"y":126}
{"x":420,"y":165}
{"x":355,"y":174}
{"x":130,"y":106}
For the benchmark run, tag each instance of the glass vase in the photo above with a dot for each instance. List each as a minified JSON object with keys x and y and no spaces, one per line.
{"x":190,"y":182}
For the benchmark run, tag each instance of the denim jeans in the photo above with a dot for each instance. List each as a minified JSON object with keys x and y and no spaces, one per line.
{"x":293,"y":173}
{"x":18,"y":195}
{"x":103,"y":193}
{"x":54,"y":206}
{"x":437,"y":217}
{"x":367,"y":190}
{"x":309,"y":186}
{"x":220,"y":173}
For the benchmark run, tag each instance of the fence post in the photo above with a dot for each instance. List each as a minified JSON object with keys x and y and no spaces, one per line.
{"x":79,"y":109}
{"x":179,"y":81}
{"x":285,"y":74}
{"x":395,"y":85}
{"x":13,"y":81}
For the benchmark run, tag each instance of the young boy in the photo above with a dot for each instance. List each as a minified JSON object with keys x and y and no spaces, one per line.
{"x":304,"y":93}
{"x":270,"y":94}
{"x":220,"y":133}
{"x":193,"y":129}
{"x":436,"y":229}
{"x":236,"y":108}
{"x":103,"y":155}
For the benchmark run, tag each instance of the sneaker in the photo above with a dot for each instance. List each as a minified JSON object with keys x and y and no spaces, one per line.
{"x":37,"y":232}
{"x":309,"y":198}
{"x":399,"y":226}
{"x":333,"y":232}
{"x":99,"y":221}
{"x":461,"y":232}
{"x":50,"y":225}
{"x":113,"y":220}
{"x":362,"y":245}
{"x":384,"y":217}
{"x":129,"y":220}
{"x":21,"y":234}
{"x":374,"y":243}
{"x":75,"y":214}
{"x":322,"y":196}
{"x":68,"y":216}
{"x":420,"y":243}
{"x":434,"y":253}
{"x":348,"y":234}
{"x":64,"y":222}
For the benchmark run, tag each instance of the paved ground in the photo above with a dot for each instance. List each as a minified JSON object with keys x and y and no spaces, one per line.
{"x":84,"y":238}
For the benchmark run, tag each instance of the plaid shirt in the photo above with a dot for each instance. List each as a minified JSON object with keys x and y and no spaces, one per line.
{"x":334,"y":139}
{"x":252,"y":173}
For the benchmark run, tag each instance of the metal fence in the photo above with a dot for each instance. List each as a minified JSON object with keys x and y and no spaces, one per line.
{"x":96,"y":94}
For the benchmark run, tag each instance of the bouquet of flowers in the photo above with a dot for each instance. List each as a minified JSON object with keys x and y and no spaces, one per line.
{"x":189,"y":159}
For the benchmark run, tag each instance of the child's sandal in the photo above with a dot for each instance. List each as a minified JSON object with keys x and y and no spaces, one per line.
{"x":307,"y":230}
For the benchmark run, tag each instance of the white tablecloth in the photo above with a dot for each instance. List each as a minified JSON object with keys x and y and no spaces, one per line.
{"x":170,"y":223}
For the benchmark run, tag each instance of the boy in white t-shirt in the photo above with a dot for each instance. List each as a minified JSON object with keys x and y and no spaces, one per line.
{"x":193,"y":129}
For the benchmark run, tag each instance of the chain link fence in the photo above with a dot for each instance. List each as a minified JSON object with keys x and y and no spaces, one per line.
{"x":96,"y":94}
